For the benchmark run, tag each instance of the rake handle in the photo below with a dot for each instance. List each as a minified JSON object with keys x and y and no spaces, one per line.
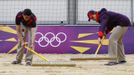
{"x":99,"y":46}
{"x":42,"y":57}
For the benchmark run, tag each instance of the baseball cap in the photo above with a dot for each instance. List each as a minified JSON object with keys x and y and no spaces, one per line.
{"x":90,"y":14}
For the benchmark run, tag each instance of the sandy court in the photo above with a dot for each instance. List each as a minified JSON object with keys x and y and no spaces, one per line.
{"x":82,"y":67}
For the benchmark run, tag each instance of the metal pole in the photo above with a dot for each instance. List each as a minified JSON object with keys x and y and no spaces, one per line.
{"x":132,"y":12}
{"x":72,"y":11}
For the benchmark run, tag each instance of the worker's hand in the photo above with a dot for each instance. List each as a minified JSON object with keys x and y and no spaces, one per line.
{"x":101,"y":35}
{"x":23,"y":43}
{"x":32,"y":45}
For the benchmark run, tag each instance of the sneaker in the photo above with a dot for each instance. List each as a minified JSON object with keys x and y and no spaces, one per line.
{"x":111,"y":63}
{"x":28,"y":63}
{"x":16,"y":62}
{"x":122,"y":62}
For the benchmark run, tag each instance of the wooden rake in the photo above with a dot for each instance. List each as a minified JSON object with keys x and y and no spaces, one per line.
{"x":49,"y":63}
{"x":95,"y":56}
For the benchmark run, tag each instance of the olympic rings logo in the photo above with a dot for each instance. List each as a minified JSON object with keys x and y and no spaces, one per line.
{"x":50,"y":40}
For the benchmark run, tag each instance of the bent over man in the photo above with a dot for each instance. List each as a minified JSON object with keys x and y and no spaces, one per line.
{"x":109,"y":20}
{"x":25,"y":26}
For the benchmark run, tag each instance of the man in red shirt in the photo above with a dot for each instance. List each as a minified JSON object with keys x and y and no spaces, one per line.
{"x":25,"y":26}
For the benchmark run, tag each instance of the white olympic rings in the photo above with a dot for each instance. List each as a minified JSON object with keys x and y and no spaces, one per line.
{"x":50,"y":40}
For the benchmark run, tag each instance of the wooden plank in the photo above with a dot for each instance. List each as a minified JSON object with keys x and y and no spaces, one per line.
{"x":92,"y":58}
{"x":60,"y":64}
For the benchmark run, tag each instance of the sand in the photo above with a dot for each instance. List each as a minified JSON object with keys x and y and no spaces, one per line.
{"x":95,"y":67}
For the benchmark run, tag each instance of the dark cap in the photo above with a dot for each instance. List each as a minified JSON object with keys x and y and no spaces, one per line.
{"x":90,"y":13}
{"x":27,"y":12}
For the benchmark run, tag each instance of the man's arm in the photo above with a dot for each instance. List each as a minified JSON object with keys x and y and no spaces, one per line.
{"x":19,"y":33}
{"x":103,"y":27}
{"x":33,"y":36}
